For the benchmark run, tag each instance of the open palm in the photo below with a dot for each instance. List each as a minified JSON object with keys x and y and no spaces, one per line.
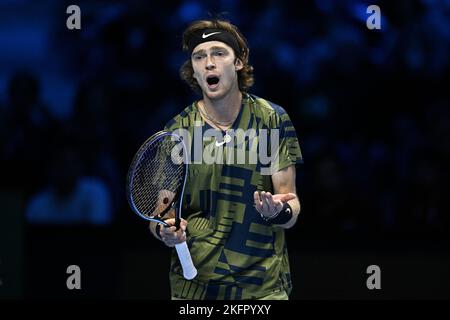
{"x":268,"y":204}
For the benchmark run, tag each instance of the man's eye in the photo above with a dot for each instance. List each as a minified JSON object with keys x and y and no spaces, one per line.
{"x":197,"y":57}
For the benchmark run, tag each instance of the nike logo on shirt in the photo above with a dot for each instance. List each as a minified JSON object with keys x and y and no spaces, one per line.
{"x":204,"y":36}
{"x":218,"y":144}
{"x":227,"y":138}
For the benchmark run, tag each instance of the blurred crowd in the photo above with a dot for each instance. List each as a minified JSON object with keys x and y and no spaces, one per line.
{"x":371,"y":107}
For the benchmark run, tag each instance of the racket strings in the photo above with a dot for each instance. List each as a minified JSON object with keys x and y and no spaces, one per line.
{"x":158,"y":177}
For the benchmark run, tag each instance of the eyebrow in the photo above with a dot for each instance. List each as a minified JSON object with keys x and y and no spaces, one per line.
{"x":211,"y":49}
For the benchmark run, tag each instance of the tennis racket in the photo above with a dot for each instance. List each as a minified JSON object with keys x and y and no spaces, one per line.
{"x":156,"y":181}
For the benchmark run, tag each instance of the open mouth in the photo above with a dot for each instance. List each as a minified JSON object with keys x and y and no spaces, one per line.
{"x":212,"y":80}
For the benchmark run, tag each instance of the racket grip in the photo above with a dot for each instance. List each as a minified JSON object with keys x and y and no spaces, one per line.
{"x":189,"y":270}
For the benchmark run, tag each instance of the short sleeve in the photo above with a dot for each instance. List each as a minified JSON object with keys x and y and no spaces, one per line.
{"x":289,"y":152}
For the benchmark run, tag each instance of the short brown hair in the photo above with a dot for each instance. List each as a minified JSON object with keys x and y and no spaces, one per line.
{"x":245,"y":75}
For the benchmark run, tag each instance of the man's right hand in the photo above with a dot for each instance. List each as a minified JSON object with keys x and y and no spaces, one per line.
{"x":170,"y":236}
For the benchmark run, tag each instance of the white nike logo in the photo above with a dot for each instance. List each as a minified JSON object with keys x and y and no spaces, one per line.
{"x":226,"y":138}
{"x":204,"y":36}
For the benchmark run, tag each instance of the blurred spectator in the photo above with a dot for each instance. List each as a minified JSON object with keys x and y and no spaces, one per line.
{"x":27,"y":128}
{"x":70,"y":197}
{"x":90,"y":126}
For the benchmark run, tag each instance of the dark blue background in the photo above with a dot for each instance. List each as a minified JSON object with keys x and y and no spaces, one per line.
{"x":371,"y":109}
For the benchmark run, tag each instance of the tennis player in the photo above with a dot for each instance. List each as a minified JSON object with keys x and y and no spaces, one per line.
{"x":236,"y":211}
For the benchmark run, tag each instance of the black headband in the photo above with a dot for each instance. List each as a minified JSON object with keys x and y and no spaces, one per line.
{"x":206,"y":35}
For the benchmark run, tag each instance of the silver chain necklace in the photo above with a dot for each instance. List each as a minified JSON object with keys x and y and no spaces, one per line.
{"x":227,"y":138}
{"x":216,"y":122}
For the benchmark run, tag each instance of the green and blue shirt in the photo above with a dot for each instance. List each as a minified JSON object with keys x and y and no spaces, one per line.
{"x":238,"y":255}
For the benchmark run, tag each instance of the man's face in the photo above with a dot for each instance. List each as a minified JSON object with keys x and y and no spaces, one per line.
{"x":215,"y":68}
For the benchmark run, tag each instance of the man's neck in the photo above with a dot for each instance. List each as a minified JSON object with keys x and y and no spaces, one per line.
{"x":226,"y":108}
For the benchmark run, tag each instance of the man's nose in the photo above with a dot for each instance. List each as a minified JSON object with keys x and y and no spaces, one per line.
{"x":210,"y":63}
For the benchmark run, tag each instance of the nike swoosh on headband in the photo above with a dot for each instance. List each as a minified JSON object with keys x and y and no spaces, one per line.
{"x":204,"y":36}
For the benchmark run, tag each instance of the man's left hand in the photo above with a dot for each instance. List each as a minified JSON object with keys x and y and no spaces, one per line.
{"x":268,"y":204}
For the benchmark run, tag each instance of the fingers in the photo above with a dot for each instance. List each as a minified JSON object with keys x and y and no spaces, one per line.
{"x":170,"y":222}
{"x":275,"y":205}
{"x":284,"y":197}
{"x":266,"y":203}
{"x":288,"y":196}
{"x":170,"y":236}
{"x":272,"y":205}
{"x":183,"y":224}
{"x":258,"y":203}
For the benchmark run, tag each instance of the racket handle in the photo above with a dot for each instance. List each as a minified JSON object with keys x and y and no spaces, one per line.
{"x":189,"y":270}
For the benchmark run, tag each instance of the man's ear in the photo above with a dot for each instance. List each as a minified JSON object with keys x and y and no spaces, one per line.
{"x":238,"y":64}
